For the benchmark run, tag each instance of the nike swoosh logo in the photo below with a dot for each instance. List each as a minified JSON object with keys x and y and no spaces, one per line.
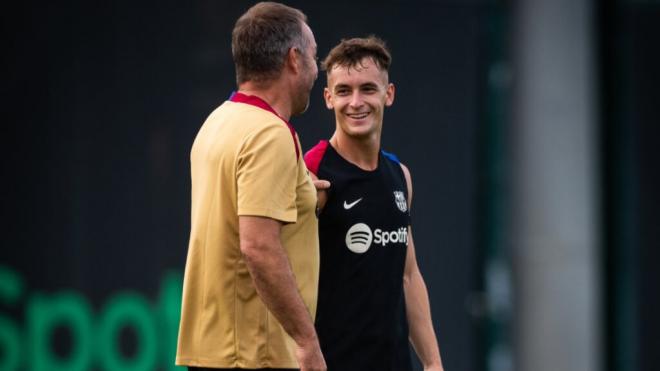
{"x":348,"y":206}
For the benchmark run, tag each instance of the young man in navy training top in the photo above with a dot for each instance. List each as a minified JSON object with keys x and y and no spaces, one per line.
{"x":372,"y":297}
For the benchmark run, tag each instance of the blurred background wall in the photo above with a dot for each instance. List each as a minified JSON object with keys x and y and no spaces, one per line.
{"x":530,"y":128}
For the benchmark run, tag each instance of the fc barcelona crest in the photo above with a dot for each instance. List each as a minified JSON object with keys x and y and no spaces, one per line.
{"x":400,"y":200}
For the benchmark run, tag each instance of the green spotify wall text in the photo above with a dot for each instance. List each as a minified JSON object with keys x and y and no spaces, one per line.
{"x":94,"y":335}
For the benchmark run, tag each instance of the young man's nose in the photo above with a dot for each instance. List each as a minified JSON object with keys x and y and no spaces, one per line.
{"x":356,"y":100}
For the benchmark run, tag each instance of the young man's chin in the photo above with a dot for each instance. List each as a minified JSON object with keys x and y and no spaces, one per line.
{"x":359,"y":134}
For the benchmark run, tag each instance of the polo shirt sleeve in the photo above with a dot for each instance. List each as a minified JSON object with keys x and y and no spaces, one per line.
{"x":267,"y":174}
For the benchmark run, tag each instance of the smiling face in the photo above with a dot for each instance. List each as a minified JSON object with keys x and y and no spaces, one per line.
{"x":358,"y":95}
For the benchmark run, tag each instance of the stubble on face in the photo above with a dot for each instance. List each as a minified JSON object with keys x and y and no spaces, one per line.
{"x":309,"y":73}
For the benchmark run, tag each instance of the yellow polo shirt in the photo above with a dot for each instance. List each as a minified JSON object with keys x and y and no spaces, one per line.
{"x":243,"y":162}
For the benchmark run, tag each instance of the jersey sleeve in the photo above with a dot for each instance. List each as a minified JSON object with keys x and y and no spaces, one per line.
{"x":267,"y":175}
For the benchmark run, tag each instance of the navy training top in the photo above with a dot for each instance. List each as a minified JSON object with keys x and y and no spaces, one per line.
{"x":363,"y":231}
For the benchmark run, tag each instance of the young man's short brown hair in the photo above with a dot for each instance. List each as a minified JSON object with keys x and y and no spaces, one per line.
{"x":350,"y":52}
{"x":261,"y":39}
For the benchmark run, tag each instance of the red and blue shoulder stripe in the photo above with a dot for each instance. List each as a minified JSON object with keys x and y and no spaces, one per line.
{"x":314,"y":156}
{"x":391,"y":156}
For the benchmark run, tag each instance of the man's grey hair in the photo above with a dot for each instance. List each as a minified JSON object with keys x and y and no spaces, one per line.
{"x":262,"y":38}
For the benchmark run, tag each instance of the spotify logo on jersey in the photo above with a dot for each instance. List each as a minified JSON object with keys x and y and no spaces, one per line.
{"x":358,"y":238}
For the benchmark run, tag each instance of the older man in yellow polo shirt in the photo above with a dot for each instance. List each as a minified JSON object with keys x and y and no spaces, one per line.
{"x":251,"y":277}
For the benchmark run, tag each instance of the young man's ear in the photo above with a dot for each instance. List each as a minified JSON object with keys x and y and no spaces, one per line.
{"x":389,"y":95}
{"x":327,"y":96}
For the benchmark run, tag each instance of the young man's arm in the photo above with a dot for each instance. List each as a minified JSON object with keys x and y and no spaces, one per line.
{"x":418,"y":310}
{"x":275,"y":283}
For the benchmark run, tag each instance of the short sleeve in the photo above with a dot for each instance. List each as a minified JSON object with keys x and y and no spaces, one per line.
{"x":267,"y":174}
